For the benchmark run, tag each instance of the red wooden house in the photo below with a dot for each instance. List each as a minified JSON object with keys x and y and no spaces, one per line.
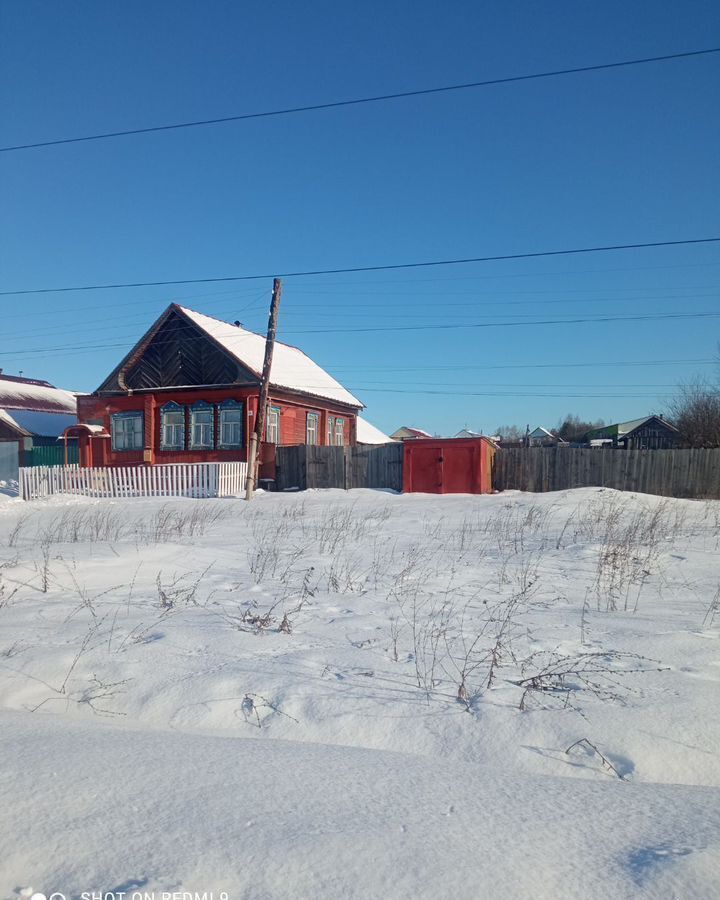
{"x":188,"y":392}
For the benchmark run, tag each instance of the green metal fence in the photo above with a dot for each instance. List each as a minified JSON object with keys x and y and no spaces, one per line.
{"x":50,"y":453}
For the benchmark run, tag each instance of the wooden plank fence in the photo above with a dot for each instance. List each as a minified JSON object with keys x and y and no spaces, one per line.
{"x":363,"y":466}
{"x":669,"y":473}
{"x":223,"y":479}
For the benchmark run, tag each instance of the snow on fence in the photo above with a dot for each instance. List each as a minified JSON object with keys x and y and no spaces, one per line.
{"x":222,"y":479}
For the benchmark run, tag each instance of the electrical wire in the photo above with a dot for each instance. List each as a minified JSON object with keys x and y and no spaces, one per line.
{"x":393,"y":328}
{"x":357,"y":101}
{"x":378,"y":268}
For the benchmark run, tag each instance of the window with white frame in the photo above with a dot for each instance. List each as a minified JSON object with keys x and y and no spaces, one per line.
{"x":202,"y":425}
{"x":172,"y":427}
{"x":312,"y":435}
{"x":339,"y":432}
{"x":231,"y":424}
{"x":127,"y":431}
{"x":272,"y":428}
{"x":330,"y":430}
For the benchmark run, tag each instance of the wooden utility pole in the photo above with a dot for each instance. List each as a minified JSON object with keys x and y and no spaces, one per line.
{"x":259,"y":430}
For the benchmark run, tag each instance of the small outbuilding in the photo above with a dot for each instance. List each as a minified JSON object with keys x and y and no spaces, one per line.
{"x":448,"y":465}
{"x":33,"y":414}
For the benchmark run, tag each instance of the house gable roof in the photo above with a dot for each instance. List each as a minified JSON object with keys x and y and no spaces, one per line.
{"x":624,"y":429}
{"x":541,"y":432}
{"x":369,"y":434}
{"x":408,"y":431}
{"x":291,"y":369}
{"x":30,"y":394}
{"x":37,"y":423}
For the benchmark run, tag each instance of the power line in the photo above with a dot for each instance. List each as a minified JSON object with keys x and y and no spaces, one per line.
{"x":381,"y":328}
{"x":381,"y":268}
{"x":357,"y":101}
{"x":448,"y":325}
{"x":593,"y":365}
{"x":454,"y":393}
{"x":116,"y":325}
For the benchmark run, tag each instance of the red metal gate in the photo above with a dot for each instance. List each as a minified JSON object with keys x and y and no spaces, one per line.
{"x":448,"y":466}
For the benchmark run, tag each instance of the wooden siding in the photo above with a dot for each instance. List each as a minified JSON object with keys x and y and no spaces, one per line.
{"x":669,"y":473}
{"x":176,"y":353}
{"x":9,"y":460}
{"x":99,"y":409}
{"x":361,"y":466}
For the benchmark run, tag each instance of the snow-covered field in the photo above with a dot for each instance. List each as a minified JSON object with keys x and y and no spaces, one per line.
{"x":360,"y":694}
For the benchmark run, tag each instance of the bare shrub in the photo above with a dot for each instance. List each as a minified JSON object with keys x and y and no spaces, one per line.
{"x":17,"y":530}
{"x":631,"y":542}
{"x":253,"y":704}
{"x":276,"y":617}
{"x":712,"y":610}
{"x":587,"y":745}
{"x":180,"y":590}
{"x":170,"y":523}
{"x":339,"y":524}
{"x":96,"y":524}
{"x":42,"y":566}
{"x":563,"y":679}
{"x":5,"y":594}
{"x":263,"y":560}
{"x":346,"y":574}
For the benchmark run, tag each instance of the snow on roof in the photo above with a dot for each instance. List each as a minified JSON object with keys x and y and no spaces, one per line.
{"x":38,"y":422}
{"x":20,"y":393}
{"x":540,"y":431}
{"x":622,"y":428}
{"x":291,"y":368}
{"x":8,"y":420}
{"x":91,"y":429}
{"x":625,"y":427}
{"x":466,"y":433}
{"x":369,"y":434}
{"x":407,"y":430}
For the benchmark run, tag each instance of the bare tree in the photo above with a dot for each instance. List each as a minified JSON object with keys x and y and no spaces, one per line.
{"x":695,"y":411}
{"x":511,"y":433}
{"x":574,"y":428}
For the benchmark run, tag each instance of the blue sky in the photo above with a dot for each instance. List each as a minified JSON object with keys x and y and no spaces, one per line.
{"x":609,"y":157}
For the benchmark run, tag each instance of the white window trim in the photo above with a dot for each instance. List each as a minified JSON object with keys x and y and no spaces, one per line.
{"x":137,"y":434}
{"x":173,"y":427}
{"x":206,"y":430}
{"x":273,"y":416}
{"x":314,"y":417}
{"x":223,"y":409}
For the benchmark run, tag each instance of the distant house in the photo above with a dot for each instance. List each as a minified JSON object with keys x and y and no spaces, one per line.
{"x":405,"y":433}
{"x":369,"y":434}
{"x":541,"y":437}
{"x":188,"y":392}
{"x":35,"y":413}
{"x":467,"y":433}
{"x":649,"y":433}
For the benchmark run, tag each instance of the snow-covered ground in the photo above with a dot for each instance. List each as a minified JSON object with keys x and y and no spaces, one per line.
{"x":360,"y":694}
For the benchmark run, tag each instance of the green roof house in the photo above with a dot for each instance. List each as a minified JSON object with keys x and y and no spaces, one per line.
{"x":649,"y":433}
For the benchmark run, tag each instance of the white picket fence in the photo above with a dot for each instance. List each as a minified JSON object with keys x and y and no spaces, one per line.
{"x":220,"y":479}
